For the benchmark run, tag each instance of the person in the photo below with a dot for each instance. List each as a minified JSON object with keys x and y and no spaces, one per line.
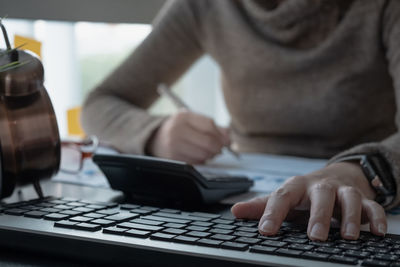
{"x":312,"y":78}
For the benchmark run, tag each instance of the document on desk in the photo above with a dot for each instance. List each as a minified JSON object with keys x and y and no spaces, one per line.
{"x":267,"y":171}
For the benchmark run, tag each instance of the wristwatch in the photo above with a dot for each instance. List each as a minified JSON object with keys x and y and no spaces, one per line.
{"x":378,"y":172}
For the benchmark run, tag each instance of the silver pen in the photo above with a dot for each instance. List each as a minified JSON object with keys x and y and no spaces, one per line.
{"x":164,"y":90}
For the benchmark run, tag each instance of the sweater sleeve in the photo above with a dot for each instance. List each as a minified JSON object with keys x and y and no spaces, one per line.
{"x":115,"y":110}
{"x":389,"y":148}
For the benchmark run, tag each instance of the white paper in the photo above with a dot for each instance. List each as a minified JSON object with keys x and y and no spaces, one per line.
{"x":267,"y":171}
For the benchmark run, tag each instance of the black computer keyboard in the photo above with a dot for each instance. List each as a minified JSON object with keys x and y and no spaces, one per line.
{"x":164,"y":236}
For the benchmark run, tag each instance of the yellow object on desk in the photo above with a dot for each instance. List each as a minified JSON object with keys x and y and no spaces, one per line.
{"x":74,"y":122}
{"x":28,"y":44}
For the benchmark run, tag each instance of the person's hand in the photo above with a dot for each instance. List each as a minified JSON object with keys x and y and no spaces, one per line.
{"x":339,"y":190}
{"x":189,"y":137}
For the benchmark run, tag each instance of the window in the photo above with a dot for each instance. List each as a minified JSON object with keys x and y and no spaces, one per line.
{"x":78,"y":55}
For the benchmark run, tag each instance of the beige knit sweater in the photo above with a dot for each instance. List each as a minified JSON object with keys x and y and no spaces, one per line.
{"x":300,"y":77}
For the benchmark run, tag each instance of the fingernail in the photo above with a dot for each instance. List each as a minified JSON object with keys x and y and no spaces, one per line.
{"x":318,"y":232}
{"x":382,"y":229}
{"x":267,"y":226}
{"x":350,"y":230}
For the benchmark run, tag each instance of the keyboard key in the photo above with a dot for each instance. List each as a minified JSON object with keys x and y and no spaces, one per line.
{"x":181,"y":216}
{"x":141,"y":211}
{"x":209,"y":242}
{"x":35,"y":214}
{"x":71,"y":212}
{"x":108,"y":211}
{"x":142,"y":221}
{"x":289,"y":252}
{"x":301,"y":247}
{"x":83,"y":209}
{"x":185,"y":239}
{"x":385,"y":257}
{"x":174,"y":231}
{"x":145,"y":227}
{"x":87,"y":227}
{"x":165,"y":219}
{"x":15,"y":211}
{"x":322,"y":244}
{"x":225,"y":226}
{"x":175,"y":225}
{"x":220,"y":231}
{"x":198,"y":234}
{"x":315,"y":256}
{"x":45,"y":205}
{"x":80,"y":219}
{"x":114,"y":230}
{"x":295,"y":240}
{"x":375,"y":244}
{"x":343,"y":259}
{"x":162,"y":236}
{"x":273,"y":237}
{"x":329,"y":250}
{"x":375,"y":250}
{"x":375,"y":263}
{"x":75,"y":204}
{"x":248,"y":240}
{"x":196,"y":228}
{"x":223,"y":221}
{"x":246,"y":223}
{"x":206,"y":215}
{"x":95,"y":207}
{"x":348,"y":246}
{"x":55,"y":217}
{"x":120,"y":217}
{"x":63,"y":207}
{"x":247,"y":229}
{"x":95,"y":215}
{"x":223,"y":237}
{"x":137,"y":233}
{"x":357,"y":254}
{"x":170,"y":210}
{"x":65,"y":224}
{"x":102,"y":222}
{"x":50,"y":210}
{"x":245,"y":234}
{"x":204,"y":224}
{"x":272,"y":243}
{"x":150,"y":208}
{"x":235,"y":246}
{"x":263,"y":249}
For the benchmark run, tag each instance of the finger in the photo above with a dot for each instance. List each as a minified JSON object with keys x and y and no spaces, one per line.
{"x":350,"y":203}
{"x":322,"y":197}
{"x":225,"y":132}
{"x":204,"y":124}
{"x":376,"y":215}
{"x":277,"y":208}
{"x":190,"y":153}
{"x":252,"y":209}
{"x":204,"y":141}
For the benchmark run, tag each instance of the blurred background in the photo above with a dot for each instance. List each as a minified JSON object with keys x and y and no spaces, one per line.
{"x":81,"y":41}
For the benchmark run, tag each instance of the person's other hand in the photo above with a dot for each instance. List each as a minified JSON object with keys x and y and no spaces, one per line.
{"x":189,"y":137}
{"x":339,"y":190}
